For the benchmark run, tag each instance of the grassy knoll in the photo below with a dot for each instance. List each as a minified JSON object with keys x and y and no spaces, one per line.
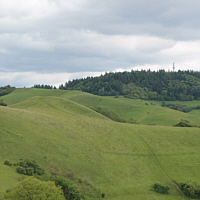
{"x":123,"y":160}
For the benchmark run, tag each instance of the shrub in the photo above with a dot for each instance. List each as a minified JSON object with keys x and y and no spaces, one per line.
{"x":113,"y":115}
{"x":29,"y":167}
{"x":76,"y":189}
{"x":132,"y":121}
{"x":184,"y":124}
{"x":7,"y":163}
{"x":70,"y":190}
{"x":2,"y":103}
{"x":38,"y":170}
{"x":164,"y":189}
{"x":179,"y":107}
{"x":109,"y":113}
{"x":20,"y":170}
{"x":191,"y":189}
{"x":29,"y":171}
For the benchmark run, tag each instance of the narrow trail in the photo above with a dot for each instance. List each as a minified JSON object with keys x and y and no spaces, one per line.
{"x":159,"y":165}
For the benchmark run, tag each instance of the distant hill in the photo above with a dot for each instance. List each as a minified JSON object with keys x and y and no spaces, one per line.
{"x":146,"y":85}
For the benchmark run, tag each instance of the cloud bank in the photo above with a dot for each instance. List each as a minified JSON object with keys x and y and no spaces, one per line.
{"x":52,"y":41}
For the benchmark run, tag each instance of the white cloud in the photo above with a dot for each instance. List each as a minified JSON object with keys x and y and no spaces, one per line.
{"x":185,"y":54}
{"x":28,"y":79}
{"x":82,"y":36}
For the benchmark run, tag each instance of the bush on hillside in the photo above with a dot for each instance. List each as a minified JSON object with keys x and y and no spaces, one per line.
{"x":69,"y":189}
{"x":31,"y":167}
{"x":191,"y":189}
{"x":77,"y":189}
{"x":160,"y":188}
{"x":7,"y":163}
{"x":113,"y":115}
{"x":27,"y":167}
{"x":132,"y":121}
{"x":184,"y":124}
{"x":179,"y":107}
{"x":2,"y":103}
{"x":21,"y":170}
{"x":108,"y":113}
{"x":73,"y":187}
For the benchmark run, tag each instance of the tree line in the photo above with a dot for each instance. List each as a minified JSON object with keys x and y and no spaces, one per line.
{"x":148,"y":85}
{"x":180,"y":107}
{"x":42,"y":86}
{"x":6,"y":90}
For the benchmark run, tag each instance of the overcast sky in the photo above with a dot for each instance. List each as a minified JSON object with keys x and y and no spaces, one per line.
{"x":52,"y":41}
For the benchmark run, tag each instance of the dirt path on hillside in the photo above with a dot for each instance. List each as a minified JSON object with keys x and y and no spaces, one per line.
{"x":159,"y":165}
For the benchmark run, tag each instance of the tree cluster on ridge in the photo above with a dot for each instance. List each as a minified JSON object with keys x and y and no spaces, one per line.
{"x":147,"y":85}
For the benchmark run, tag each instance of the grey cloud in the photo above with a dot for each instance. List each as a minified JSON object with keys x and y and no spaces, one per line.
{"x":172,"y":19}
{"x":132,"y":17}
{"x":89,"y":36}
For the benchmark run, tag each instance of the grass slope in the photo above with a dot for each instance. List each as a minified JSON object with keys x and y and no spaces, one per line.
{"x":153,"y":113}
{"x":123,"y":160}
{"x":126,"y":108}
{"x":48,"y":105}
{"x":137,"y":109}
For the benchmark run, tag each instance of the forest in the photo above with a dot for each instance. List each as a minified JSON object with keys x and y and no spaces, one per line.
{"x":148,"y":85}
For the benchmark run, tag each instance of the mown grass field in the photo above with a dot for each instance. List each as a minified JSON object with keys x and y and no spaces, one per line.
{"x":123,"y":160}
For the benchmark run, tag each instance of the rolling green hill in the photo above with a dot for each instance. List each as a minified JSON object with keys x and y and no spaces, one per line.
{"x":145,"y":112}
{"x":122,"y":160}
{"x":56,"y":106}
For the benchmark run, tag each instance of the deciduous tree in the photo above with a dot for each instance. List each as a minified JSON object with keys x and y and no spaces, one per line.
{"x":34,"y":189}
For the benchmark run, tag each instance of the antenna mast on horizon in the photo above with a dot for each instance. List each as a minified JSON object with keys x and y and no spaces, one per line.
{"x":173,"y":66}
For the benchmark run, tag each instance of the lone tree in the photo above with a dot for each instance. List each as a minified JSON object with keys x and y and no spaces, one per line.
{"x":34,"y":189}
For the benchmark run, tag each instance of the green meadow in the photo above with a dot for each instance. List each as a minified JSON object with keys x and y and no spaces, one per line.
{"x":59,"y":128}
{"x":145,"y":112}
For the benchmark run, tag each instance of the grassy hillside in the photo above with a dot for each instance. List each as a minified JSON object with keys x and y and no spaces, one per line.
{"x":56,"y":106}
{"x":151,"y":112}
{"x":123,"y":160}
{"x":21,"y":94}
{"x":145,"y":112}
